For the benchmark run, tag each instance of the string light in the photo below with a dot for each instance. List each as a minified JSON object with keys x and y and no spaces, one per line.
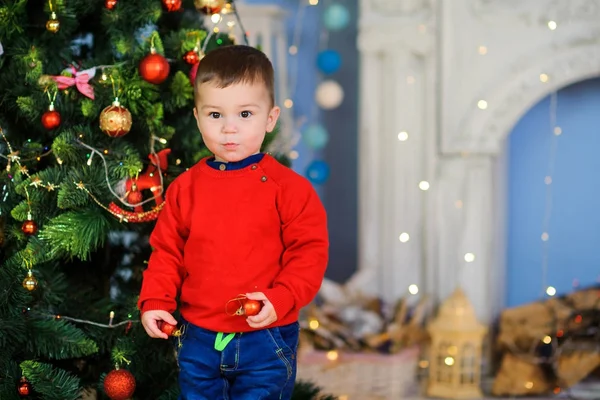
{"x":482,"y":104}
{"x":424,"y":185}
{"x":404,"y":237}
{"x":403,"y":136}
{"x":469,"y":257}
{"x":110,"y":324}
{"x":413,"y":289}
{"x":552,"y":25}
{"x":482,"y":50}
{"x":544,"y":78}
{"x":549,"y":290}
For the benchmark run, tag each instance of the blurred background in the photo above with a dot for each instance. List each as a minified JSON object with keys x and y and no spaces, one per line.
{"x":452,"y":142}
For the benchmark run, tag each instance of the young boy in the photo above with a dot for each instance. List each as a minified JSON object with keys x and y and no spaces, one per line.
{"x":236,"y":224}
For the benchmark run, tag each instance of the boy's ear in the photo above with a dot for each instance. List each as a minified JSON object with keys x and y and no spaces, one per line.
{"x":272,"y":118}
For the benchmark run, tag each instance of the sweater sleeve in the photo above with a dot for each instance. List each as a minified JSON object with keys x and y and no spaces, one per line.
{"x":305,"y":238}
{"x":163,"y":278}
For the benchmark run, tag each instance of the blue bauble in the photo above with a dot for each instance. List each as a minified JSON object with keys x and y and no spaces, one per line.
{"x":336,"y":17}
{"x":329,"y":61}
{"x":315,"y":136}
{"x":317,"y":172}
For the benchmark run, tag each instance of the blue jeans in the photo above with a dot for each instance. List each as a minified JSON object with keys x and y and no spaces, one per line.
{"x":257,"y":365}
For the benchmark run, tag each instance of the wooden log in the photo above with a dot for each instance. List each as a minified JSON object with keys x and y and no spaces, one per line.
{"x":585,"y":299}
{"x":576,"y":366}
{"x":522,"y":328}
{"x":520,"y":377}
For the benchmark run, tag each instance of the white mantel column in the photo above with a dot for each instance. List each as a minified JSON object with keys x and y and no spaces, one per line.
{"x":467,"y":221}
{"x":390,"y":201}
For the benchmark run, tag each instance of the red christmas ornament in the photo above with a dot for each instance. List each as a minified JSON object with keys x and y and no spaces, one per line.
{"x":132,"y":216}
{"x":51,"y":118}
{"x":29,"y":227}
{"x":24,"y":387}
{"x":172,"y":5}
{"x":252,"y":307}
{"x":115,"y":120}
{"x":110,"y":4}
{"x":135,"y":196}
{"x":193,"y":73}
{"x":154,"y":68}
{"x":119,"y":384}
{"x":191,"y":57}
{"x":150,"y":179}
{"x":170,"y":330}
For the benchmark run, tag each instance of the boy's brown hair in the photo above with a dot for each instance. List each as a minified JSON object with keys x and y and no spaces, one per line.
{"x":233,"y":64}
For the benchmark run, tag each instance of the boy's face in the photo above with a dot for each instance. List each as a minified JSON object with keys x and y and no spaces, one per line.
{"x":233,"y":120}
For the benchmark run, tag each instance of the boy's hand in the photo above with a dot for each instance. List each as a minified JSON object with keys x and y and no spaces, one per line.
{"x":150,"y":321}
{"x":266,"y":316}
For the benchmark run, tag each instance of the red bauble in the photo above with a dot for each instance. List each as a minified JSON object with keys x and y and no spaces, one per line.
{"x":29,"y":227}
{"x":154,"y":68}
{"x":51,"y":118}
{"x":172,"y":5}
{"x":110,"y":4}
{"x":191,"y":57}
{"x":115,"y":120}
{"x":135,"y":197}
{"x":24,"y":387}
{"x":119,"y":384}
{"x":252,"y":307}
{"x":170,"y":330}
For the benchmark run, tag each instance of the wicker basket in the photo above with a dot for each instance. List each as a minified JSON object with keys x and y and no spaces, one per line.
{"x":364,"y":376}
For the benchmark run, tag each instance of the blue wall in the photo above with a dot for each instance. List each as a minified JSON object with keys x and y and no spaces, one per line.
{"x":574,"y":229}
{"x":339,"y":194}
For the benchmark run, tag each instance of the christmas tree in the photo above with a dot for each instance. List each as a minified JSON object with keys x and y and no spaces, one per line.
{"x":95,"y":121}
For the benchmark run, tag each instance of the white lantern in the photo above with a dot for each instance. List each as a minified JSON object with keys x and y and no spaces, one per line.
{"x":455,"y":353}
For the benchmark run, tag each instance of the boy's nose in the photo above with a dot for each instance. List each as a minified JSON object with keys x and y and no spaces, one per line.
{"x":229,"y":127}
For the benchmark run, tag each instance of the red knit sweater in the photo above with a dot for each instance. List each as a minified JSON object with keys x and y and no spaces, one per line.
{"x":225,"y":233}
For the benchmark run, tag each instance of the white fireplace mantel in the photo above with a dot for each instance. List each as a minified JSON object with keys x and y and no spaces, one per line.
{"x":423,"y":73}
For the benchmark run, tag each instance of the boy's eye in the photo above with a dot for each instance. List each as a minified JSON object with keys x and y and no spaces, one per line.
{"x":215,"y":115}
{"x":245,"y":114}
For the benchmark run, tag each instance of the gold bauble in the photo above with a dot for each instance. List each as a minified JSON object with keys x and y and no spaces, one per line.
{"x":53,"y":24}
{"x":115,"y":120}
{"x":45,"y":81}
{"x":209,"y":7}
{"x":30,"y":283}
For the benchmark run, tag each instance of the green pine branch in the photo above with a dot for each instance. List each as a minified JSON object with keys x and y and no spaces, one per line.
{"x":75,"y":234}
{"x":10,"y":15}
{"x":305,"y":390}
{"x":182,"y":92}
{"x":51,"y":383}
{"x":59,"y":340}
